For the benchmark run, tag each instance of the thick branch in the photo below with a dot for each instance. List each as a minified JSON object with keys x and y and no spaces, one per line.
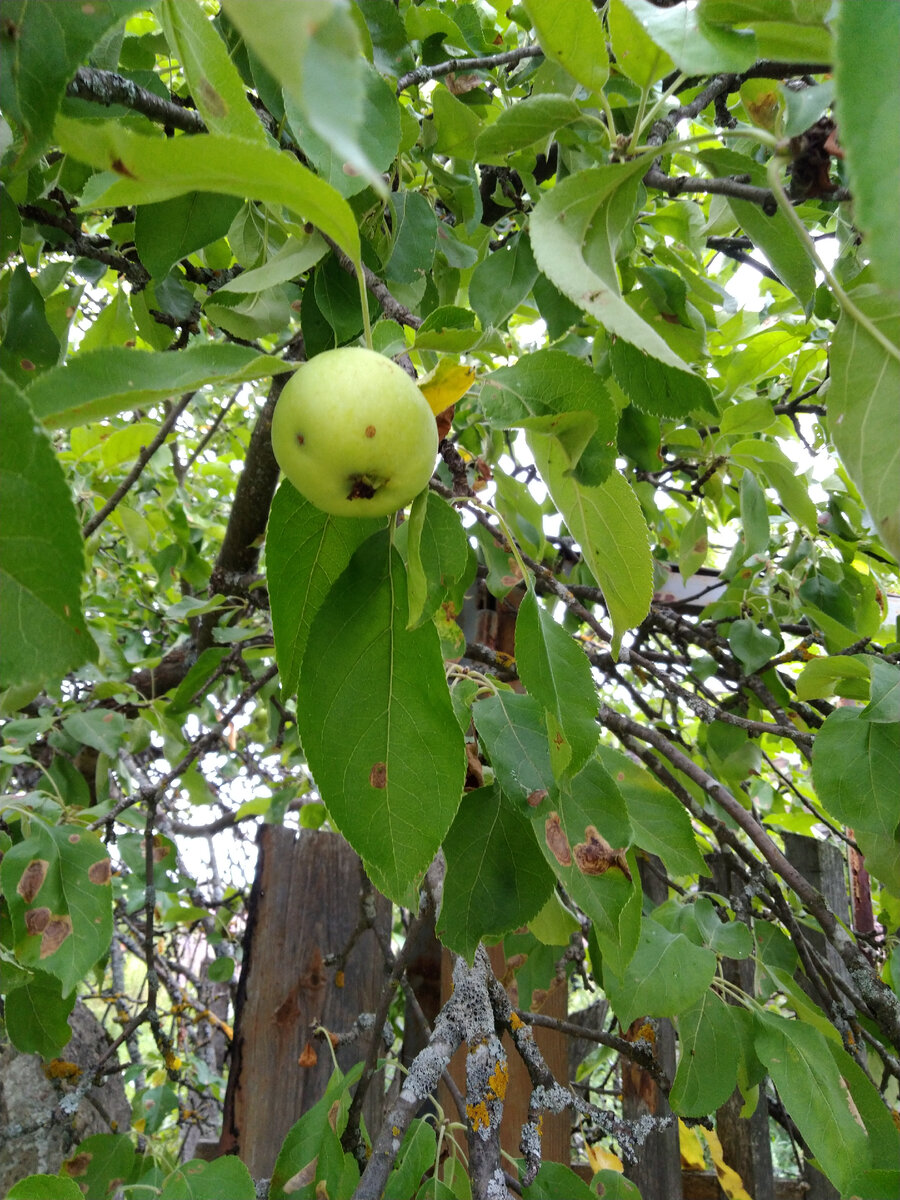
{"x":107,"y":87}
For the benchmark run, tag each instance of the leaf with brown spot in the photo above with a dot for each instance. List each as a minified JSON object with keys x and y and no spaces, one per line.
{"x":57,"y":930}
{"x":534,"y":799}
{"x":378,"y":775}
{"x":557,"y":840}
{"x":37,"y":920}
{"x":100,"y":872}
{"x":32,"y":879}
{"x":77,"y":1165}
{"x":66,"y":868}
{"x":595,"y":856}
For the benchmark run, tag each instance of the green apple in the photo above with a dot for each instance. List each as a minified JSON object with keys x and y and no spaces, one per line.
{"x":354,"y":434}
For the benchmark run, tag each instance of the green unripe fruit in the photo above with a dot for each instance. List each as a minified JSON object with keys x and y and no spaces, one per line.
{"x":354,"y":434}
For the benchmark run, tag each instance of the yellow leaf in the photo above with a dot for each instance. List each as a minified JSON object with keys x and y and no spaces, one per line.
{"x":729,"y":1180}
{"x":603,"y":1160}
{"x":692,"y":1156}
{"x":447,"y":383}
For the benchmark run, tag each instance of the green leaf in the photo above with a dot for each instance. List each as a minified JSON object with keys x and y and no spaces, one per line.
{"x":456,"y":125}
{"x":553,"y":392}
{"x":756,"y":455}
{"x":378,"y":137}
{"x":526,"y":124}
{"x":843,"y":675}
{"x":45,"y":1187}
{"x":555,"y":923}
{"x":884,"y":707}
{"x":100,"y":383}
{"x":501,"y":282}
{"x":862,"y":409}
{"x":29,"y":343}
{"x":215,"y":85}
{"x":101,"y":1162}
{"x":868,"y":47}
{"x":41,"y":47}
{"x":294,"y":258}
{"x":172,"y":229}
{"x":555,"y":670}
{"x":660,"y":824}
{"x":572,"y":35}
{"x":856,"y":771}
{"x":306,"y":552}
{"x":808,"y":1071}
{"x":306,"y":1136}
{"x":41,"y":556}
{"x":667,"y":974}
{"x":142,"y":170}
{"x":753,"y":645}
{"x":575,"y":231}
{"x":696,"y":46}
{"x":694,"y":546}
{"x":37,"y":1016}
{"x":555,"y":1180}
{"x":437,"y":554}
{"x":417,"y":1156}
{"x":57,"y":887}
{"x":198,"y":1180}
{"x":583,"y":831}
{"x":100,"y":728}
{"x":772,"y":234}
{"x":323,"y":74}
{"x":657,"y":387}
{"x":376,"y":720}
{"x":708,"y":1067}
{"x":608,"y":524}
{"x":496,"y":877}
{"x":637,"y":55}
{"x":512,"y":728}
{"x":415,"y":238}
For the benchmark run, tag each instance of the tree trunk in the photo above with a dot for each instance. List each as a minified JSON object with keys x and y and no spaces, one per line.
{"x":657,"y":1171}
{"x":303,"y":907}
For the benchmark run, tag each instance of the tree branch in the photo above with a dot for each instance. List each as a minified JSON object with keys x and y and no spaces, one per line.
{"x":423,"y":74}
{"x":107,"y":87}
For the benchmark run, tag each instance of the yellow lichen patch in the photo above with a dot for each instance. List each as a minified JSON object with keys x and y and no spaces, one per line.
{"x":515,"y":1023}
{"x":478,"y":1116}
{"x":58,"y":1068}
{"x":498,"y":1081}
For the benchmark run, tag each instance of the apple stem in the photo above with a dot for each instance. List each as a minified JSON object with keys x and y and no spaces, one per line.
{"x":364,"y":301}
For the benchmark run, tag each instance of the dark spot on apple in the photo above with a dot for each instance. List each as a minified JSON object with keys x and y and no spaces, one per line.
{"x":378,"y":775}
{"x":300,"y":439}
{"x":370,"y":431}
{"x":361,"y":490}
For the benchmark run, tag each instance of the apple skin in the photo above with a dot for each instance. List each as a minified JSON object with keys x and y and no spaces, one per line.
{"x":354,"y":434}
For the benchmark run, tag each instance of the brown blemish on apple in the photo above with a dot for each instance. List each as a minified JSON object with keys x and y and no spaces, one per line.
{"x":595,"y":856}
{"x":300,"y":439}
{"x":100,"y":872}
{"x":58,"y":929}
{"x":557,"y":840}
{"x":378,"y":775}
{"x":370,"y":431}
{"x":361,"y":489}
{"x":32,"y":879}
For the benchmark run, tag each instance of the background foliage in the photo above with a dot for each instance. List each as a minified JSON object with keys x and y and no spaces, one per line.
{"x":660,"y":287}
